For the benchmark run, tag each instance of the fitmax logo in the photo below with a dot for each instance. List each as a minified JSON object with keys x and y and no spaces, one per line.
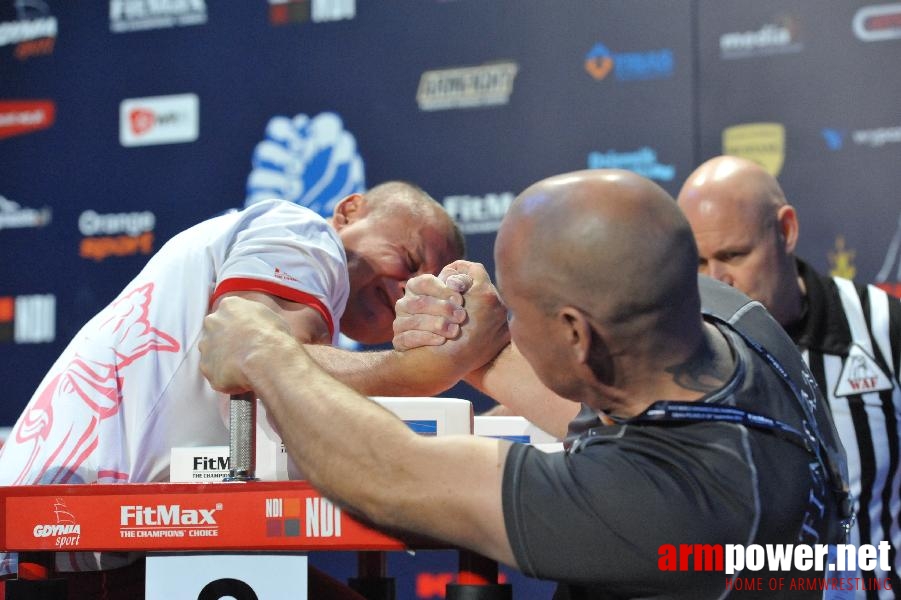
{"x":166,"y":515}
{"x":211,"y":463}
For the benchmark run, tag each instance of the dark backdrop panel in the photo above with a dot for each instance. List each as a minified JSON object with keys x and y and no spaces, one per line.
{"x":835,"y":95}
{"x":649,"y":85}
{"x":244,"y":71}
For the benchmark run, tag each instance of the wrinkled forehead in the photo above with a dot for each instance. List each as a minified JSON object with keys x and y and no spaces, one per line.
{"x":435,"y":243}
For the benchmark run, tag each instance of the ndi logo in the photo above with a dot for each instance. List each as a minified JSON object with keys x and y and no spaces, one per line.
{"x":320,"y":517}
{"x":629,"y":66}
{"x":282,"y":12}
{"x":28,"y":319}
{"x":312,"y":162}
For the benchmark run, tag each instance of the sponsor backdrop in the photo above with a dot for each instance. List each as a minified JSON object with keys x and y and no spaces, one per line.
{"x":124,"y":122}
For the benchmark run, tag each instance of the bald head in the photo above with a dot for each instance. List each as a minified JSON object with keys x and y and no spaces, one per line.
{"x":608,"y":241}
{"x":746,"y":232}
{"x":402,"y":198}
{"x":734,"y":184}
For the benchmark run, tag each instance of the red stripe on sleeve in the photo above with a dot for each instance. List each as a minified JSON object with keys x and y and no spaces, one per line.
{"x":245,"y":284}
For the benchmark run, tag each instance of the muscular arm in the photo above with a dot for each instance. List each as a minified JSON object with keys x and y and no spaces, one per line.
{"x":379,"y":373}
{"x":387,"y":372}
{"x":305,"y":323}
{"x":353,"y":450}
{"x":510,"y":380}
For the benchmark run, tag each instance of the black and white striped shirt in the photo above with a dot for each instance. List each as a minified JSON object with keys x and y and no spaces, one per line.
{"x":851,"y":338}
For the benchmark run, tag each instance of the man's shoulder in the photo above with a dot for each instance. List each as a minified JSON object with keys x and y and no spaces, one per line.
{"x":284,"y":207}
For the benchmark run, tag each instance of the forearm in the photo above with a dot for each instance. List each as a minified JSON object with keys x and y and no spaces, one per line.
{"x":341,"y":441}
{"x":353,"y":450}
{"x":510,"y":380}
{"x":387,"y":372}
{"x":361,"y":456}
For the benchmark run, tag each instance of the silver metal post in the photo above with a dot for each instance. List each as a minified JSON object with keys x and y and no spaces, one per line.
{"x":242,"y":417}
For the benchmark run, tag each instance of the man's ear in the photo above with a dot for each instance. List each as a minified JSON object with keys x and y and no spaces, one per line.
{"x":348,"y":210}
{"x":577,"y":329}
{"x":788,"y":227}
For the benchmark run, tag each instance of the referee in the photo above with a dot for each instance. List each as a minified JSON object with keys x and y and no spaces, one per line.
{"x":850,"y":335}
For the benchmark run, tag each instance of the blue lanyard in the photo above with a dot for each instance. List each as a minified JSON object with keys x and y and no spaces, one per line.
{"x":694,"y":412}
{"x":666,"y":411}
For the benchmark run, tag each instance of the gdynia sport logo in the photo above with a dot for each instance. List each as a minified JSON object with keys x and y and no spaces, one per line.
{"x":845,"y":566}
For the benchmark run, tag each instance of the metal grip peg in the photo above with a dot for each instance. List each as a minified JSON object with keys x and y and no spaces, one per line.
{"x":242,"y":419}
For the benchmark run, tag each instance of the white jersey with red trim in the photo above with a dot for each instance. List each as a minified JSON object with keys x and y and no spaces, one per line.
{"x":128,"y":387}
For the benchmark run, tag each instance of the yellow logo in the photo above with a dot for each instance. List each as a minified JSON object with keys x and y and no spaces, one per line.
{"x":763,"y":143}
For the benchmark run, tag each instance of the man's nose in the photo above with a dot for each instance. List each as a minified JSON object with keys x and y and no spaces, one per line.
{"x":395,"y":288}
{"x":720,"y":272}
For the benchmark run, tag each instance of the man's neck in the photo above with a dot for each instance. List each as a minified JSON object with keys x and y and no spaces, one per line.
{"x":706,"y":368}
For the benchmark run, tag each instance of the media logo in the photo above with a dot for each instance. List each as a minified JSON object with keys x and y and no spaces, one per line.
{"x":772,"y":38}
{"x":282,"y":12}
{"x":33,"y":32}
{"x":467,"y":87}
{"x":478,"y":214}
{"x":14,"y":216}
{"x":310,"y":162}
{"x":18,"y":117}
{"x":159,"y":120}
{"x":66,"y":531}
{"x":314,"y":518}
{"x":642,"y":161}
{"x":29,"y":319}
{"x":763,"y":143}
{"x":629,"y":66}
{"x":115,"y":234}
{"x":140,"y":15}
{"x":884,"y":277}
{"x":877,"y":22}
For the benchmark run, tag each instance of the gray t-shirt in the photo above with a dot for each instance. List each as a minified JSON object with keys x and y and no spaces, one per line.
{"x":595,"y":519}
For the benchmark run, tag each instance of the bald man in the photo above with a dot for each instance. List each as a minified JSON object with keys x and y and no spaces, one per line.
{"x":850,"y":335}
{"x":597,"y":272}
{"x":127,"y":389}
